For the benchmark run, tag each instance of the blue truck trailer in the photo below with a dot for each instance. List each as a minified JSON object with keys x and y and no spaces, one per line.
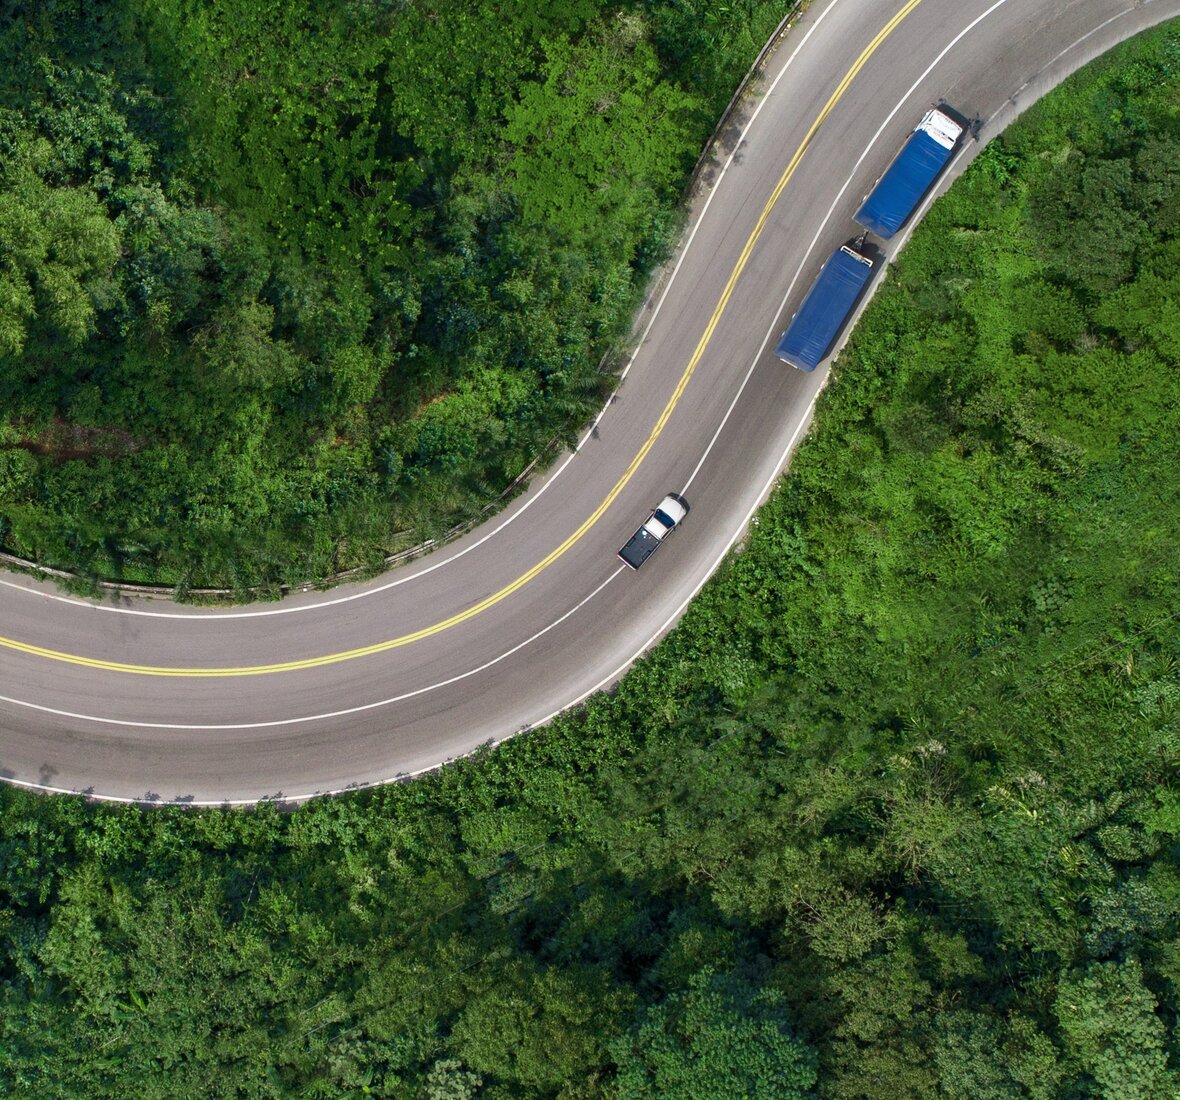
{"x":825,"y":309}
{"x":923,"y":157}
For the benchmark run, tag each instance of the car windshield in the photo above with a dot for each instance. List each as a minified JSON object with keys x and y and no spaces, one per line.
{"x":665,"y":519}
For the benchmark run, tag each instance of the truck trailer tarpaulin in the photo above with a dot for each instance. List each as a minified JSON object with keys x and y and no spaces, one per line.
{"x":825,"y":309}
{"x":908,"y":178}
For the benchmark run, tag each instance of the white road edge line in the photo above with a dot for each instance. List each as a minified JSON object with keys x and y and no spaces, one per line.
{"x":606,"y":681}
{"x":823,"y":225}
{"x":587,"y":435}
{"x":612,"y":677}
{"x":766,"y":488}
{"x":132,"y":724}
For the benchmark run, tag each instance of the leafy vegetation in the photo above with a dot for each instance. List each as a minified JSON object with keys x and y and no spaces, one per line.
{"x":288,"y":285}
{"x":895,"y":812}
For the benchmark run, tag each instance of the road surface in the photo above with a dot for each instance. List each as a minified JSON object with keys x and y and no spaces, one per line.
{"x":532,"y":612}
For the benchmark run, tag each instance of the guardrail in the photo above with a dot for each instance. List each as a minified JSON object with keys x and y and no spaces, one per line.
{"x":166,"y":592}
{"x":550,"y":450}
{"x":754,"y":71}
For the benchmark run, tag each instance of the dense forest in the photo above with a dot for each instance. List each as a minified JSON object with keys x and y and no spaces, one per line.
{"x":286,"y":286}
{"x":894,"y":812}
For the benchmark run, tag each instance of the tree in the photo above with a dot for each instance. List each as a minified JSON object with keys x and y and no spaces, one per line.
{"x":448,"y":1080}
{"x":722,"y":1037}
{"x":593,"y":138}
{"x":1113,"y":1034}
{"x":1088,"y":218}
{"x":59,"y":252}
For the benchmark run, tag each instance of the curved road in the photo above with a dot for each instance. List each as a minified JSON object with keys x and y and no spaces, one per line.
{"x":532,"y":612}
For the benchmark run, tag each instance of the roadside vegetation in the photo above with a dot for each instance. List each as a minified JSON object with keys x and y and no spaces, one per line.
{"x":895,"y":812}
{"x":286,"y":286}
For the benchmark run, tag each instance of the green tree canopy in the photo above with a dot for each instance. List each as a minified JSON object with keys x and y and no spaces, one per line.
{"x":59,"y":250}
{"x":720,"y":1038}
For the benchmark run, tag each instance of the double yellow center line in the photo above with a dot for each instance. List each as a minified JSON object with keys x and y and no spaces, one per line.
{"x":589,"y":522}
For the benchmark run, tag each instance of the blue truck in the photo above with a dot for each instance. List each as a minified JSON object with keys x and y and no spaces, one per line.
{"x":896,"y":195}
{"x":814,"y":327}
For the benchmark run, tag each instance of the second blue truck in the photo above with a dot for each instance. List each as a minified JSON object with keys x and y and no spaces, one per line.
{"x":825,"y":309}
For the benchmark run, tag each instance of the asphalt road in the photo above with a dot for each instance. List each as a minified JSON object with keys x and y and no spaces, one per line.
{"x":532,"y":612}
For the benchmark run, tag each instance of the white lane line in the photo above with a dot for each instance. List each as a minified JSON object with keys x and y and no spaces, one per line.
{"x":605,"y":682}
{"x":587,"y":435}
{"x":299,"y":720}
{"x":823,"y":225}
{"x":786,"y":453}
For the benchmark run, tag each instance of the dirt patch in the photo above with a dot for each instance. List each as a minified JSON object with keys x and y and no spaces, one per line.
{"x":65,"y":442}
